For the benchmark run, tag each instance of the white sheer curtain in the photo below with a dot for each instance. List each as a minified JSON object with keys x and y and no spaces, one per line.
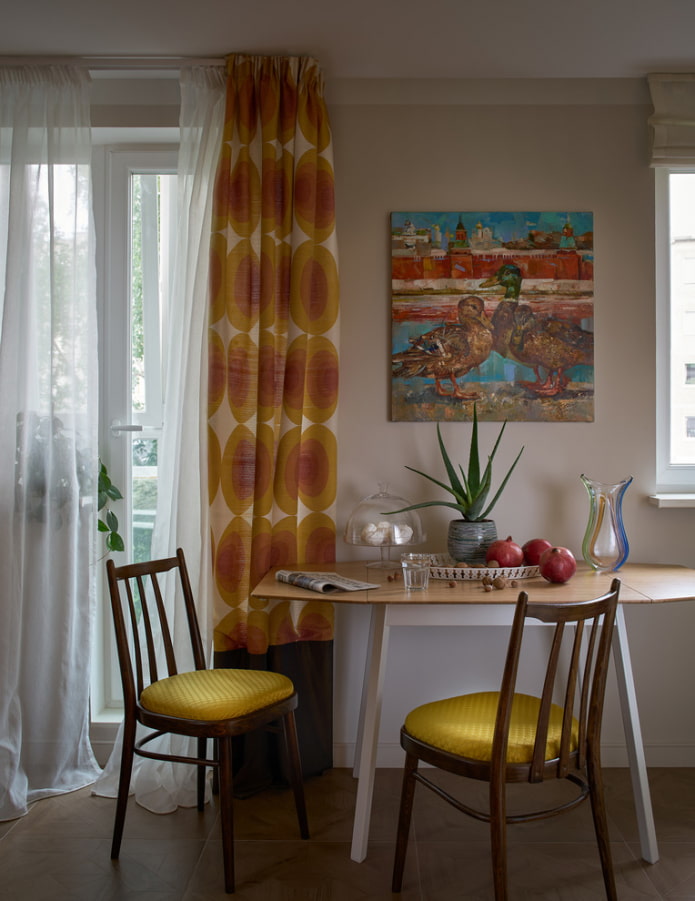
{"x":48,"y":449}
{"x":181,"y":519}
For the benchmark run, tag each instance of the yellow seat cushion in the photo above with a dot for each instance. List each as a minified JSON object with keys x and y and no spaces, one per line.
{"x":465,"y":725}
{"x":217,"y":694}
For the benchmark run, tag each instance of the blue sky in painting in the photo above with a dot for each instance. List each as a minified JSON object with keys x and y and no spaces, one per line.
{"x":507,"y":226}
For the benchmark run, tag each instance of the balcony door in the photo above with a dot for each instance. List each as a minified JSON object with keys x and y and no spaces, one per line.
{"x":135,"y":213}
{"x":138,"y":251}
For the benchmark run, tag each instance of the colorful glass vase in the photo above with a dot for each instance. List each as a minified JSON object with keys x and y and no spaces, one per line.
{"x":605,"y":546}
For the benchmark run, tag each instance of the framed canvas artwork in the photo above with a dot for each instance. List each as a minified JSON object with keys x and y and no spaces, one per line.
{"x":492,"y":308}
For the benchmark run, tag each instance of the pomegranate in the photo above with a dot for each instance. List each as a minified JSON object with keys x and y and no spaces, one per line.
{"x":558,"y":564}
{"x":505,"y":552}
{"x":533,"y":549}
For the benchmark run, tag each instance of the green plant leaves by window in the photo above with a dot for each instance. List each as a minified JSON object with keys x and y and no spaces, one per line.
{"x":108,"y":522}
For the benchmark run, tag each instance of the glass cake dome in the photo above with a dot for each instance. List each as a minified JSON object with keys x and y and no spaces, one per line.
{"x":372,"y":525}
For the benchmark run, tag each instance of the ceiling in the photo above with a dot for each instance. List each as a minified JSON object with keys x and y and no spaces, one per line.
{"x":376,"y":38}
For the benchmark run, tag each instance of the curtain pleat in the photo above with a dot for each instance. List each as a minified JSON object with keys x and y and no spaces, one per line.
{"x":48,"y":434}
{"x":273,"y":365}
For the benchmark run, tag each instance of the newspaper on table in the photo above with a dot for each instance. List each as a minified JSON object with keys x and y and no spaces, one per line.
{"x":323,"y":582}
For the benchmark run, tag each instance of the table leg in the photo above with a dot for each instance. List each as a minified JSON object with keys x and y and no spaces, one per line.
{"x":633,"y":738}
{"x":368,"y":729}
{"x":374,"y":627}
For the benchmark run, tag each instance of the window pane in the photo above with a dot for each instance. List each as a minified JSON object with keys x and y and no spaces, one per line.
{"x":682,"y":345}
{"x":151,"y":232}
{"x":144,"y":487}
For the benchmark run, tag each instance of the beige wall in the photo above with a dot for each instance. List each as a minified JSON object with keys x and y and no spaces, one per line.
{"x":497,"y":146}
{"x":548,"y":144}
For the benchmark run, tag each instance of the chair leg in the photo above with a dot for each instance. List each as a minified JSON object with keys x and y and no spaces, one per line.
{"x":598,"y":810}
{"x":289,"y":731}
{"x":202,"y":751}
{"x":404,"y":817}
{"x":127,"y":754}
{"x":498,"y":839}
{"x":215,"y":772}
{"x":224,"y":747}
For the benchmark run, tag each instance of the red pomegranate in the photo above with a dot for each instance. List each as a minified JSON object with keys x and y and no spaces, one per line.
{"x":505,"y":552}
{"x":558,"y":564}
{"x":533,"y":549}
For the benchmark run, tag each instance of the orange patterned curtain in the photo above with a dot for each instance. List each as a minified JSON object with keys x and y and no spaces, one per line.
{"x":273,"y":361}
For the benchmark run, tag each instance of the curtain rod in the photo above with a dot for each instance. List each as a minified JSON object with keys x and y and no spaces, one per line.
{"x":104,"y":63}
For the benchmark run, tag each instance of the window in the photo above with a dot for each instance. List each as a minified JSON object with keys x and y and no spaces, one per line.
{"x":152,"y":229}
{"x":135,"y":212}
{"x":675,"y":229}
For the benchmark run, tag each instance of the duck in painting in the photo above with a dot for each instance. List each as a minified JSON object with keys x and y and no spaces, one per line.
{"x":450,"y":351}
{"x":550,"y":345}
{"x":509,"y":277}
{"x":502,"y":322}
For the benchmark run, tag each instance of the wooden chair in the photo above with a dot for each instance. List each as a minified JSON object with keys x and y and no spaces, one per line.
{"x":503,"y":737}
{"x":198,"y":702}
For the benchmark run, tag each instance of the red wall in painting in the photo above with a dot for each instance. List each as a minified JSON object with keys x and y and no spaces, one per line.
{"x":559,"y":264}
{"x":406,"y":268}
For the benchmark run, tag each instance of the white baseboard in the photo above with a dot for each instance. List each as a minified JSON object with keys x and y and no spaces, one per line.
{"x":102,"y":736}
{"x":392,"y":755}
{"x":656,"y":755}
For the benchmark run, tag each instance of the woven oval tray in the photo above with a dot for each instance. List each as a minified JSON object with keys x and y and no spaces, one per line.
{"x":444,"y":567}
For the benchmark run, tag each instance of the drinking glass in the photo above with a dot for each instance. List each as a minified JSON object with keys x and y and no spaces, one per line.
{"x":416,"y":571}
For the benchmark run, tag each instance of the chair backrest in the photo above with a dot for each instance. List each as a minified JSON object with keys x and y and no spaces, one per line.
{"x":144,"y":629}
{"x":575,"y":678}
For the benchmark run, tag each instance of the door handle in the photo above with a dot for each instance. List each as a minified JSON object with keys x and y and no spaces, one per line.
{"x":117,"y":427}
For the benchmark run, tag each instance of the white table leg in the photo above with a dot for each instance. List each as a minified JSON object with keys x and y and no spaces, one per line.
{"x":368,"y":729}
{"x":376,"y":624}
{"x":633,"y":738}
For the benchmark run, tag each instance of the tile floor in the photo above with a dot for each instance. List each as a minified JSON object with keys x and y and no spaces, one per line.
{"x":60,"y":850}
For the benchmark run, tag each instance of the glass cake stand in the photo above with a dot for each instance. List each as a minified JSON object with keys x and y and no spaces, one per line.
{"x":372,"y":524}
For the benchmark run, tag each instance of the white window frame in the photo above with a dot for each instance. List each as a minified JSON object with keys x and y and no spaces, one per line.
{"x":671,"y":478}
{"x":112,"y":167}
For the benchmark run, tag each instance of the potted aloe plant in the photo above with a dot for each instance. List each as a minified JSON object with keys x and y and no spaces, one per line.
{"x":472,"y":531}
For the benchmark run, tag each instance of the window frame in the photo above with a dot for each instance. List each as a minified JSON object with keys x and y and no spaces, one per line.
{"x":111,"y":170}
{"x":671,"y":478}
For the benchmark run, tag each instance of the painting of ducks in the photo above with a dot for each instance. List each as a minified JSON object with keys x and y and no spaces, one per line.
{"x":449,"y":352}
{"x":495,"y":307}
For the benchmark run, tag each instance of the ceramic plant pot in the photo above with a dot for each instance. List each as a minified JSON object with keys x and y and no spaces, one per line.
{"x":469,"y":541}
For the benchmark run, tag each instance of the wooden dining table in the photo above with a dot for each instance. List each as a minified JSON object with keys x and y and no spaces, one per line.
{"x":450,"y":603}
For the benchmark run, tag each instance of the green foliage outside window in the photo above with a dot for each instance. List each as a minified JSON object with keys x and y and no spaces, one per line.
{"x":108,"y":521}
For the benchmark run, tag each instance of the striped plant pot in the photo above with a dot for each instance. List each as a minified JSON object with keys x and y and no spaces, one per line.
{"x":469,"y":541}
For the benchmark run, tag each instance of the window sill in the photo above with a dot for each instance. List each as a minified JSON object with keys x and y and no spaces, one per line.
{"x":106,"y":716}
{"x":672,"y":500}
